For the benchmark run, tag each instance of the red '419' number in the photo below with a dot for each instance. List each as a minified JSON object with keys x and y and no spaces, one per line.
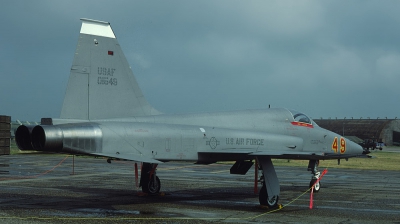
{"x":335,"y":146}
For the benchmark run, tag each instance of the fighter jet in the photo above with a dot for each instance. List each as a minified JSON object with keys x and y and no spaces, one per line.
{"x":105,"y":114}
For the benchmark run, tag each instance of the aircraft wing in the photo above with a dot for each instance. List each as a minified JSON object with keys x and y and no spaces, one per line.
{"x":127,"y":156}
{"x":238,"y":154}
{"x":303,"y":155}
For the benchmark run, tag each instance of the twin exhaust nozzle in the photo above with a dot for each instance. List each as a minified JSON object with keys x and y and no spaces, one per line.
{"x":39,"y":138}
{"x":71,"y":137}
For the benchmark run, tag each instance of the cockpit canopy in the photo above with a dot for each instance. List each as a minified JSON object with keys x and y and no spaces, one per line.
{"x":300,"y":117}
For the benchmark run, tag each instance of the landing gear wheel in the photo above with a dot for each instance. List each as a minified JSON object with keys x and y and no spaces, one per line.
{"x":316,"y":186}
{"x":151,"y":187}
{"x":263,"y":198}
{"x":154,"y":186}
{"x":149,"y":181}
{"x":313,"y":167}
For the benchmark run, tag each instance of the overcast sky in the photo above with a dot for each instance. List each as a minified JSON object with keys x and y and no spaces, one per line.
{"x":324,"y":58}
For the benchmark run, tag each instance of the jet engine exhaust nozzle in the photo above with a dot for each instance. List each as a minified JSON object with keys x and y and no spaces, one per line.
{"x":47,"y":138}
{"x":23,"y":137}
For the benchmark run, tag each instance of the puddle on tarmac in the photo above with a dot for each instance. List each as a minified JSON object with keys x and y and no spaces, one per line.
{"x":100,"y":213}
{"x":107,"y":211}
{"x":90,"y":212}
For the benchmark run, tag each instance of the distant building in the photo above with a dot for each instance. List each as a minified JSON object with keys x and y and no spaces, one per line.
{"x":385,"y":130}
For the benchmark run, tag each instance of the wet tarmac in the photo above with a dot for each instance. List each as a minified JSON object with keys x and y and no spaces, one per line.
{"x":39,"y":188}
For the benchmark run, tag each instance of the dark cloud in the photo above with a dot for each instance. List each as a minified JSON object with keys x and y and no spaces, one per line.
{"x":325,"y":58}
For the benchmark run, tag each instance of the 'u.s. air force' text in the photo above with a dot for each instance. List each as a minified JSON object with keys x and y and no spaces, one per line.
{"x":244,"y":141}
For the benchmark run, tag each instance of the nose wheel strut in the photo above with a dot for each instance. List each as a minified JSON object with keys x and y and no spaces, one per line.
{"x":313,"y":167}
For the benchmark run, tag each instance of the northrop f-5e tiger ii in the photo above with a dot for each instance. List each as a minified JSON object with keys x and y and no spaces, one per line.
{"x":105,"y":114}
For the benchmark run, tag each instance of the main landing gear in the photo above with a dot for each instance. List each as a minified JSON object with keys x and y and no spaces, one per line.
{"x":149,"y":181}
{"x":313,"y":167}
{"x":270,"y":190}
{"x":264,"y":199}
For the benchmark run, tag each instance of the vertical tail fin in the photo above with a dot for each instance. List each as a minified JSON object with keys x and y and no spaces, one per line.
{"x":101,"y":83}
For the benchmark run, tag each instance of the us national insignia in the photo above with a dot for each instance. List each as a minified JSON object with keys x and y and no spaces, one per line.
{"x":213,"y":143}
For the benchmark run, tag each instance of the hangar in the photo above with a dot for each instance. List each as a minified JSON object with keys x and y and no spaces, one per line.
{"x":385,"y":130}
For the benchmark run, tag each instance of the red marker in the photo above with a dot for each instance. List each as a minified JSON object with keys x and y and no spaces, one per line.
{"x":312,"y":188}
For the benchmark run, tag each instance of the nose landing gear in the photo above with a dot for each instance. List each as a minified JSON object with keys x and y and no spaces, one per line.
{"x":313,"y":167}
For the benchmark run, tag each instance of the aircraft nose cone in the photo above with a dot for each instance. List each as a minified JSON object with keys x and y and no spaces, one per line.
{"x":354,"y":148}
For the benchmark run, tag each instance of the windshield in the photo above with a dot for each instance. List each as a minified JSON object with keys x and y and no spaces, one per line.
{"x":302,"y":118}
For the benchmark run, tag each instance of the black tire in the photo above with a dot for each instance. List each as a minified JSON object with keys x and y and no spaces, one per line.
{"x":151,"y":187}
{"x":317,"y":187}
{"x":147,"y":183}
{"x":144,"y":174}
{"x":154,"y":187}
{"x":263,"y":198}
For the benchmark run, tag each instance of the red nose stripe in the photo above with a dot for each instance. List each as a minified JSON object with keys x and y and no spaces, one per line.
{"x":297,"y":123}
